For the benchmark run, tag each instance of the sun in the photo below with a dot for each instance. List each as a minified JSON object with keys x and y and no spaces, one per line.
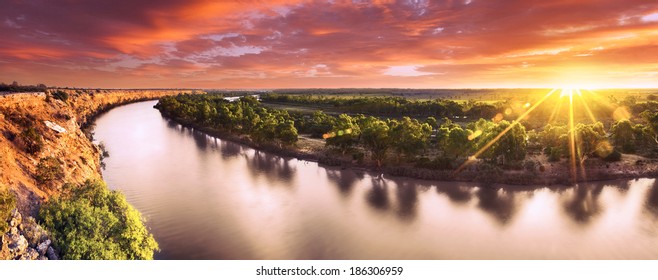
{"x":569,"y":91}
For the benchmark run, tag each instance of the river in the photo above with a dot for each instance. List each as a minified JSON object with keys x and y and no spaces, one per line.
{"x":205,"y":198}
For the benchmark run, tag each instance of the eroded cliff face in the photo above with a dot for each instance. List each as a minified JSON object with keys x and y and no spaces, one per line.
{"x":59,"y":125}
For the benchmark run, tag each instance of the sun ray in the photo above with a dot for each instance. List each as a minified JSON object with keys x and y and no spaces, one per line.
{"x":587,"y":109}
{"x":556,"y":110}
{"x":572,"y":140}
{"x":501,"y":134}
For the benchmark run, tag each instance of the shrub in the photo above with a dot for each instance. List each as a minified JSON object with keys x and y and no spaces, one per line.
{"x":7,"y":203}
{"x":49,"y":170}
{"x":30,"y":140}
{"x":61,"y":95}
{"x":92,"y":222}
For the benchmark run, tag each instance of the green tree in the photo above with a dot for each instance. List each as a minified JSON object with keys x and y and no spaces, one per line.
{"x":408,"y":136}
{"x":345,"y":133}
{"x":91,"y":222}
{"x":623,"y":135}
{"x":286,"y":132}
{"x":49,"y":170}
{"x":457,"y":143}
{"x":374,"y":134}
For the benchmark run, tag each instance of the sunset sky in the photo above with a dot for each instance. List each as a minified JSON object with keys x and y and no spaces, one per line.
{"x":301,"y":44}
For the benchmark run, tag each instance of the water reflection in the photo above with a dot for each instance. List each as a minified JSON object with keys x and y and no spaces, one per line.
{"x":652,"y":198}
{"x":229,"y":149}
{"x":377,"y":196}
{"x":407,"y":197}
{"x":500,"y":203}
{"x":456,"y":193}
{"x":273,"y":167}
{"x":344,"y":179}
{"x":583,"y":203}
{"x":200,"y":139}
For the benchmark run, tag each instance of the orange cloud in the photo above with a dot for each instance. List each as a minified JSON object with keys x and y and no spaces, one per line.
{"x":419,"y":43}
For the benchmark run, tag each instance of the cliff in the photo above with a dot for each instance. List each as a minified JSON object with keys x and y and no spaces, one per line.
{"x":39,"y":130}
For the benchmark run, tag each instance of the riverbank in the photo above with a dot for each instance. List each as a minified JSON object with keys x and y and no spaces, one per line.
{"x":542,"y":173}
{"x":43,"y":143}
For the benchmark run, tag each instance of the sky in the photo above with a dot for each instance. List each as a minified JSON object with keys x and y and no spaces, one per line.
{"x":330,"y":44}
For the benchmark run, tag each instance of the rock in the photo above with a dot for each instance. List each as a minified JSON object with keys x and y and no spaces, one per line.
{"x":30,"y":254}
{"x":16,"y":215}
{"x":13,"y":231}
{"x":43,"y":258}
{"x":42,"y":248}
{"x":13,"y":223}
{"x":17,"y":244}
{"x":51,"y":253}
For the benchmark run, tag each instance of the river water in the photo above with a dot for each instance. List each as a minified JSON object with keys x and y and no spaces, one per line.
{"x":205,"y":198}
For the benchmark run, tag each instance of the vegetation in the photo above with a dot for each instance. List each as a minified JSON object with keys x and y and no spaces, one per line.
{"x":49,"y":170}
{"x":7,"y":203}
{"x":31,"y":141}
{"x":91,"y":222}
{"x":61,"y":95}
{"x":437,"y":133}
{"x":15,"y":87}
{"x":245,"y":116}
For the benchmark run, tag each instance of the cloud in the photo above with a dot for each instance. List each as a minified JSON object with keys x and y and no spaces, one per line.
{"x":289,"y":43}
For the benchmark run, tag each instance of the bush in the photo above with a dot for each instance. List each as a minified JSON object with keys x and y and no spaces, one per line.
{"x":30,"y":140}
{"x":7,"y":203}
{"x":92,"y":222}
{"x":61,"y":95}
{"x":614,"y":156}
{"x":49,"y":170}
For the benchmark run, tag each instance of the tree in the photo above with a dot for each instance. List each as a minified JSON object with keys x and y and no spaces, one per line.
{"x":374,"y":134}
{"x":457,"y":142}
{"x":408,"y":136}
{"x":623,"y":135}
{"x":91,"y":222}
{"x":286,"y":132}
{"x":652,"y":123}
{"x":588,"y":137}
{"x":344,"y":134}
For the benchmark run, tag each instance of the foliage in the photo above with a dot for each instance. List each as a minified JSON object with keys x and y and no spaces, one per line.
{"x":375,"y":137}
{"x":623,"y":135}
{"x":31,"y":140}
{"x":61,"y":95}
{"x":408,"y":136}
{"x":15,"y":87}
{"x":92,"y":222}
{"x":345,"y":133}
{"x":7,"y":203}
{"x":246,"y":115}
{"x":49,"y":170}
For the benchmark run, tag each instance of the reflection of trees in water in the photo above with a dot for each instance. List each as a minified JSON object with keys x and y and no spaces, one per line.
{"x":406,"y":197}
{"x":652,"y":199}
{"x":344,"y":179}
{"x":456,"y":194}
{"x":172,"y":124}
{"x":500,"y":203}
{"x":200,"y":139}
{"x":377,"y":196}
{"x":229,"y":149}
{"x":583,"y":204}
{"x":273,"y":167}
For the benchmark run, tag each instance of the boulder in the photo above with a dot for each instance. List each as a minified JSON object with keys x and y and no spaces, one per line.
{"x":42,"y":248}
{"x":30,"y":254}
{"x":15,"y":215}
{"x":17,"y":244}
{"x":51,"y":254}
